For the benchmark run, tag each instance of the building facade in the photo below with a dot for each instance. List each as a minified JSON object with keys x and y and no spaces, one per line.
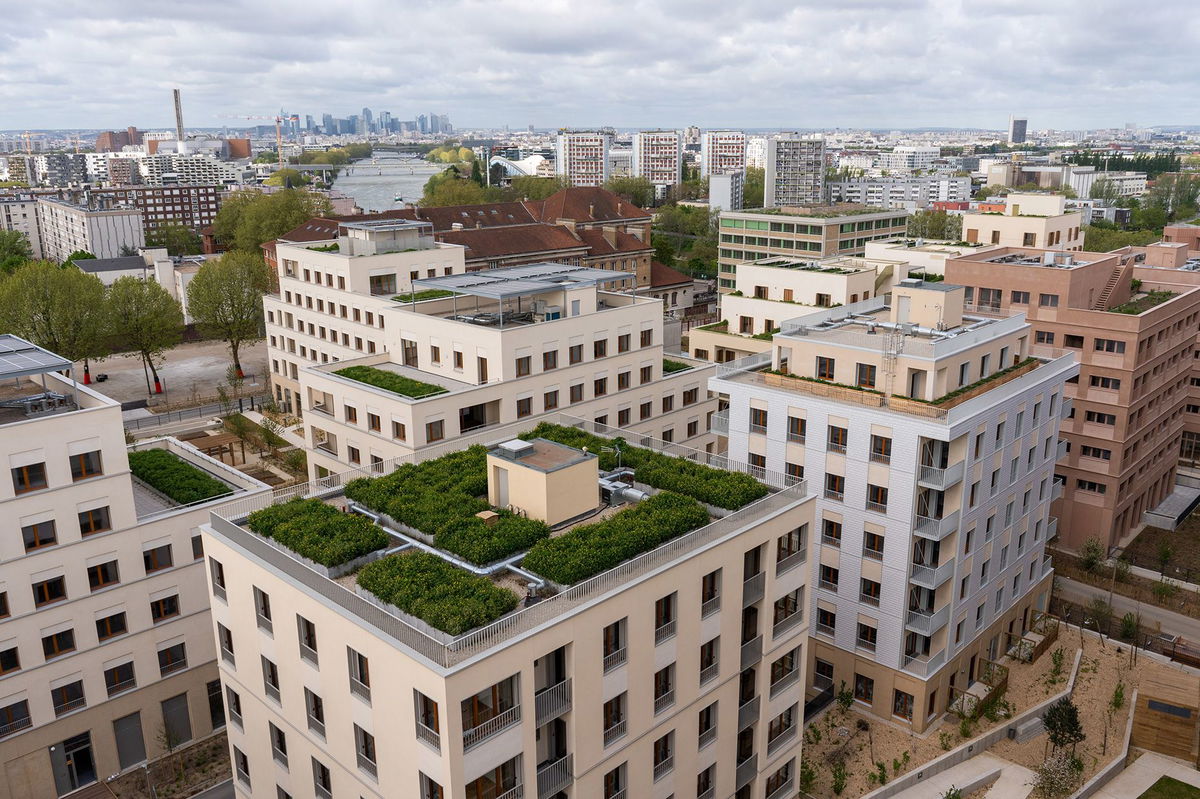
{"x":65,"y":227}
{"x":913,"y":193}
{"x":722,"y":151}
{"x":1028,"y":220}
{"x":658,"y":157}
{"x":192,"y":206}
{"x":582,"y":157}
{"x":795,"y":172}
{"x":19,"y":212}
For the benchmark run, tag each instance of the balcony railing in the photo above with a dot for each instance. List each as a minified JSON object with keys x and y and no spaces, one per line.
{"x":935,"y":528}
{"x":927,"y":623}
{"x":553,"y":777}
{"x":831,"y":540}
{"x":664,"y":632}
{"x":614,"y":659}
{"x":1056,"y":491}
{"x":615,"y":732}
{"x":751,"y":652}
{"x":71,"y":704}
{"x":664,"y":768}
{"x":759,"y":429}
{"x":429,"y":736}
{"x":663,"y":702}
{"x":825,"y":629}
{"x":785,"y":788}
{"x":752,"y":589}
{"x":1052,"y":529}
{"x":367,"y":765}
{"x":359,"y":688}
{"x":1062,"y":450}
{"x":791,"y":561}
{"x":552,"y":702}
{"x":515,"y":792}
{"x":709,"y":673}
{"x":780,"y":739}
{"x":785,"y":682}
{"x":932,"y":576}
{"x":880,"y":457}
{"x":787,"y":623}
{"x":1067,"y":405}
{"x":878,"y":507}
{"x":748,"y":713}
{"x":746,"y":771}
{"x":797,"y":438}
{"x":720,"y":423}
{"x":925,"y":664}
{"x":828,"y":585}
{"x":938,"y":478}
{"x":832,"y":494}
{"x":264,"y":623}
{"x":707,"y":737}
{"x":1047,"y":565}
{"x":493,"y":726}
{"x":123,"y":685}
{"x":710,"y":606}
{"x":16,"y":726}
{"x":836,"y":448}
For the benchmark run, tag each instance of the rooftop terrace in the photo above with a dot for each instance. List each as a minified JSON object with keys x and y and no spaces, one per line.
{"x":821,"y":211}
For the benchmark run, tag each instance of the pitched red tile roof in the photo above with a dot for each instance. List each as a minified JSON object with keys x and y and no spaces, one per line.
{"x":663,"y":275}
{"x":499,"y":242}
{"x":321,"y":228}
{"x":584,"y":204}
{"x":469,"y":216}
{"x":625,"y":242}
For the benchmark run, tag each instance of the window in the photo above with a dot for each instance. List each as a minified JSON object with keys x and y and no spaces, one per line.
{"x":29,"y":478}
{"x":57,"y":644}
{"x":865,"y":375}
{"x":867,"y":636}
{"x":646,"y":338}
{"x":613,"y":718}
{"x":1109,"y":345}
{"x":824,"y":368}
{"x":664,"y":755}
{"x":458,"y":360}
{"x":599,"y":348}
{"x":1100,"y":418}
{"x":10,"y":661}
{"x":38,"y":535}
{"x":837,"y":439}
{"x":902,"y":705}
{"x":791,"y":544}
{"x":881,"y":449}
{"x":826,"y":621}
{"x":600,"y":386}
{"x":225,"y":641}
{"x":1048,"y":300}
{"x":1087,"y":451}
{"x":797,"y":429}
{"x":664,"y":688}
{"x":664,"y":618}
{"x":870,"y":591}
{"x":360,"y":675}
{"x":758,"y":420}
{"x":864,"y":688}
{"x":165,"y":608}
{"x":524,"y":365}
{"x":48,"y":591}
{"x":549,"y":360}
{"x":1043,"y":337}
{"x":877,"y":498}
{"x":119,"y":678}
{"x":1020,"y":298}
{"x":614,"y":783}
{"x":174,"y":658}
{"x":157,"y":559}
{"x":614,"y":644}
{"x":96,"y":520}
{"x":831,"y":532}
{"x":364,"y":744}
{"x":1072,"y":341}
{"x":373,"y":422}
{"x":1091,"y":485}
{"x":1099,"y":381}
{"x":270,"y":673}
{"x":435,"y":431}
{"x":351,"y":415}
{"x":103,"y":575}
{"x":835,"y":486}
{"x":67,"y":698}
{"x":668,"y":403}
{"x":86,"y":465}
{"x":314,"y":710}
{"x":575,"y":353}
{"x":789,"y":608}
{"x":691,"y":396}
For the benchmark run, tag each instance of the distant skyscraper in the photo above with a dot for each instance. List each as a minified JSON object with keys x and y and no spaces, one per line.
{"x":384,"y":122}
{"x":1016,"y":130}
{"x":328,"y":126}
{"x":422,"y":123}
{"x":722,"y":151}
{"x":368,"y":120}
{"x":658,"y":157}
{"x":582,"y":157}
{"x":308,"y":123}
{"x":435,"y":123}
{"x":444,"y":123}
{"x":795,"y":171}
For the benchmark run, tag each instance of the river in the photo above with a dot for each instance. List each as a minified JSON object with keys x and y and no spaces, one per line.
{"x":401,"y":177}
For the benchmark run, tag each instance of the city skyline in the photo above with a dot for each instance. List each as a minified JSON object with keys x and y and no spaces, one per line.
{"x":921,"y":65}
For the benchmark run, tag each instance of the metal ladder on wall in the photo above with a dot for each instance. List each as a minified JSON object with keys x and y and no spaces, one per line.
{"x":893,"y":345}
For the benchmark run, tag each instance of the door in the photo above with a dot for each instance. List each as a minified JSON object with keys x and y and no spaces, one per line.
{"x":72,"y":764}
{"x":971,"y":671}
{"x":131,"y":747}
{"x":500,"y":478}
{"x":177,"y":724}
{"x":903,"y":308}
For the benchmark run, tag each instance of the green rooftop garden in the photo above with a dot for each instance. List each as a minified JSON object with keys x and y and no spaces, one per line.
{"x":325,"y":248}
{"x":815,"y":212}
{"x":964,"y":389}
{"x":390,"y":381}
{"x":767,"y":335}
{"x":440,"y":498}
{"x":427,"y":294}
{"x":670,"y":366}
{"x":179,"y":480}
{"x":590,"y":549}
{"x":716,"y":327}
{"x":436,"y":592}
{"x":1143,"y":303}
{"x":317,"y":531}
{"x":718,"y":487}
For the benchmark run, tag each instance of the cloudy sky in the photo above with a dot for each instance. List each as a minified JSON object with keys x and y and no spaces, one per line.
{"x":749,"y":63}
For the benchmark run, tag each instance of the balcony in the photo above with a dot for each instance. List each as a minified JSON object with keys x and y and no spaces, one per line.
{"x":663,"y":768}
{"x":1056,"y":491}
{"x":552,"y":702}
{"x":748,"y":713}
{"x":787,"y":623}
{"x":924,"y":665}
{"x":752,"y":589}
{"x":751,"y":652}
{"x":785,"y":682}
{"x":63,"y":708}
{"x":791,"y":561}
{"x":429,"y":736}
{"x":780,"y":739}
{"x":123,"y":685}
{"x":614,"y":659}
{"x":516,"y":792}
{"x":615,"y":732}
{"x":878,"y":507}
{"x":710,"y":606}
{"x":746,"y":771}
{"x":927,"y":623}
{"x":720,"y":423}
{"x":836,"y":495}
{"x":1067,"y":405}
{"x":663,"y":702}
{"x":664,"y":632}
{"x":785,"y":789}
{"x":23,"y":723}
{"x":1052,"y":529}
{"x":709,"y":673}
{"x":707,"y":737}
{"x":1062,"y":450}
{"x":1047,"y":565}
{"x":322,"y":408}
{"x":932,"y":577}
{"x":496,"y":724}
{"x":935,"y":528}
{"x":327,"y":445}
{"x":796,"y":438}
{"x":940,"y":479}
{"x":554,"y":777}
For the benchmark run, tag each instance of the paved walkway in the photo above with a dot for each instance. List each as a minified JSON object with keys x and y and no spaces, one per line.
{"x":1170,"y":621}
{"x":222,"y":791}
{"x":1012,"y":784}
{"x":1144,"y":772}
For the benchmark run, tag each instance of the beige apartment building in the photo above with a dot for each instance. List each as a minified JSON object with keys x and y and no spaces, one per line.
{"x":924,"y":256}
{"x":1028,"y":220}
{"x":105,"y":641}
{"x":1135,"y":351}
{"x":800,"y":232}
{"x":502,"y":345}
{"x":771,"y":291}
{"x":930,"y":435}
{"x":679,"y":671}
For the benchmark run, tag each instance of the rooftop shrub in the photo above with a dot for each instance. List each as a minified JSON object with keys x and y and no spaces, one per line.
{"x":670,"y":366}
{"x":171,"y":475}
{"x":317,"y":531}
{"x":724,"y":489}
{"x":427,"y":294}
{"x":390,"y":381}
{"x":590,"y":549}
{"x":425,"y":586}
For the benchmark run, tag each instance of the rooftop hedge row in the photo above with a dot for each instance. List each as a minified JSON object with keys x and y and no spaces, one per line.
{"x":390,"y":381}
{"x":441,"y":497}
{"x":718,"y":487}
{"x":175,"y":477}
{"x":317,"y":531}
{"x":425,"y":586}
{"x":590,"y":549}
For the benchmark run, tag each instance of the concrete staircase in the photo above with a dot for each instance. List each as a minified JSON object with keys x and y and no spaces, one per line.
{"x":1101,"y":303}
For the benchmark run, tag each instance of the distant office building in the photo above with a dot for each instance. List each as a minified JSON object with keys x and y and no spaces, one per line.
{"x":163,"y":206}
{"x":795,"y":172}
{"x":114,"y":141}
{"x":1016,"y":130}
{"x":722,"y":151}
{"x":906,"y":158}
{"x":658,"y":157}
{"x":725,"y":191}
{"x":19,"y":212}
{"x":66,"y":227}
{"x":901,"y":192}
{"x":169,"y":169}
{"x":582,"y":157}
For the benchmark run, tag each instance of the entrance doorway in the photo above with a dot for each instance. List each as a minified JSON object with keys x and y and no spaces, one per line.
{"x":72,"y":763}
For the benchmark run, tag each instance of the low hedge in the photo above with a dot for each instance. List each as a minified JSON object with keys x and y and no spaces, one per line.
{"x":390,"y":381}
{"x":317,"y":531}
{"x":175,"y":477}
{"x":427,"y":294}
{"x":593,"y":548}
{"x":719,"y":487}
{"x":441,"y":497}
{"x":425,"y":586}
{"x":670,"y":366}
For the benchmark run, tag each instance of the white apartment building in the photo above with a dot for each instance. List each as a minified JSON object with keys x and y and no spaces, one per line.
{"x":901,"y":192}
{"x":658,"y":157}
{"x":932,"y":502}
{"x":65,"y":227}
{"x":167,"y":168}
{"x":795,"y":173}
{"x":335,"y":297}
{"x":19,"y":212}
{"x":105,"y":639}
{"x":678,"y":671}
{"x":756,"y":152}
{"x":506,"y":345}
{"x":582,"y":157}
{"x":620,"y":162}
{"x":1028,"y":220}
{"x":726,"y":191}
{"x":908,"y":158}
{"x":722,"y":151}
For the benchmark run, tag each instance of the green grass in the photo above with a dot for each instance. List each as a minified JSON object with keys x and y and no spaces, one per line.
{"x":1141,"y":304}
{"x":175,"y":477}
{"x":670,"y":366}
{"x":1171,"y":788}
{"x":390,"y":381}
{"x":427,"y":294}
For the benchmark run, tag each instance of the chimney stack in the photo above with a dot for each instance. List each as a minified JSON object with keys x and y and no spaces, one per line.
{"x":178,"y":122}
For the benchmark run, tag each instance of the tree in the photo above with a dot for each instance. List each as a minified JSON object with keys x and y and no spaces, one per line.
{"x":476,"y":172}
{"x":287,"y":177}
{"x":935,"y":225}
{"x":1164,"y":554}
{"x":1174,"y":194}
{"x":14,"y":250}
{"x":1105,"y":191}
{"x":78,"y":255}
{"x":754,"y":187}
{"x":528,"y":187}
{"x":144,"y":317}
{"x":639,"y":191}
{"x":1091,"y":554}
{"x":496,"y":174}
{"x":1101,"y":613}
{"x":267,"y":157}
{"x":176,"y":239}
{"x":225,"y":299}
{"x":447,"y":188}
{"x":63,"y":310}
{"x":664,"y":250}
{"x":248,"y":218}
{"x":1098,"y":238}
{"x":1057,"y":776}
{"x":992,"y":190}
{"x":1062,"y":724}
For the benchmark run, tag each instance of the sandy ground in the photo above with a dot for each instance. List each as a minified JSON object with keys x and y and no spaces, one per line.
{"x":189,"y":370}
